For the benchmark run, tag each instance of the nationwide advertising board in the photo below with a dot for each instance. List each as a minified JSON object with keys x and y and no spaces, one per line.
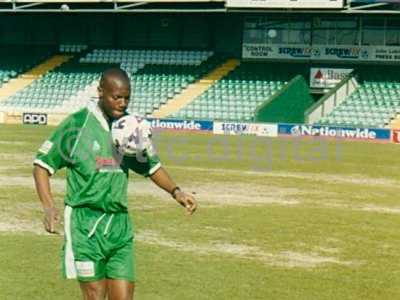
{"x":301,"y":4}
{"x":184,"y":125}
{"x":318,"y":53}
{"x":327,"y":77}
{"x":334,"y":132}
{"x":233,"y":128}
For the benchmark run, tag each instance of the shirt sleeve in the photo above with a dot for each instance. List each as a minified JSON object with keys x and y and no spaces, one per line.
{"x":56,"y":152}
{"x":143,"y":164}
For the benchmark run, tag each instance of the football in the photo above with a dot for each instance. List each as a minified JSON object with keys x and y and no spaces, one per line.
{"x":130,"y":134}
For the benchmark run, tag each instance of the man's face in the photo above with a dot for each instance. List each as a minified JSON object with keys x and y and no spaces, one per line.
{"x":114,"y":97}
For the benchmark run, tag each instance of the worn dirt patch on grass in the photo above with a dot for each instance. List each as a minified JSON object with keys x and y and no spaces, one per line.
{"x":17,"y":158}
{"x":57,"y":184}
{"x":285,"y":259}
{"x":17,"y":143}
{"x":367,"y":207}
{"x":357,"y":179}
{"x":10,"y":224}
{"x":215,"y":194}
{"x":218,"y":194}
{"x":381,"y":209}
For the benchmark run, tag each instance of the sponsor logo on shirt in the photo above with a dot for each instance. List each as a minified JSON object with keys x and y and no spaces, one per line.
{"x":107,"y":164}
{"x":46,"y":147}
{"x":96,"y":146}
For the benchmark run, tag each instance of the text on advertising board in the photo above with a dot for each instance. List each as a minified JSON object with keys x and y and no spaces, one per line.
{"x":181,"y":124}
{"x":34,"y":118}
{"x":334,"y":132}
{"x":259,"y":129}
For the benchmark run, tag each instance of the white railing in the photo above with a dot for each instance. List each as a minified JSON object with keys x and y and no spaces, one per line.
{"x":334,"y":98}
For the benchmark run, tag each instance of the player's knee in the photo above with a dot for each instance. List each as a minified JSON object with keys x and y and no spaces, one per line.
{"x":129,"y":295}
{"x":124,"y":294}
{"x":93,"y":291}
{"x":120,"y":291}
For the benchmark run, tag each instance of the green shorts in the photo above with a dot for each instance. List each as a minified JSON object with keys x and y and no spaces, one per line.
{"x":98,"y":245}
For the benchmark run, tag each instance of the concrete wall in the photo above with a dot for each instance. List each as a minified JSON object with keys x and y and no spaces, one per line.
{"x":334,"y":98}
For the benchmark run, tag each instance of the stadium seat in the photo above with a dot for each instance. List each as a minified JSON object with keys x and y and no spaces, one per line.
{"x":72,"y":48}
{"x":375,"y":102}
{"x":237,"y":96}
{"x":157,"y":76}
{"x":19,"y":59}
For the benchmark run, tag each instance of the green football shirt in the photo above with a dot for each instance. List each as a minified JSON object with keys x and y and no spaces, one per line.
{"x":97,"y":176}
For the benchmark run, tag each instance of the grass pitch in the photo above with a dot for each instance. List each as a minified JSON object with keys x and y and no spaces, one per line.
{"x":278,"y":219}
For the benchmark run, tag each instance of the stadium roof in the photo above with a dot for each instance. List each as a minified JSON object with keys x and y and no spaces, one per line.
{"x":195,"y":6}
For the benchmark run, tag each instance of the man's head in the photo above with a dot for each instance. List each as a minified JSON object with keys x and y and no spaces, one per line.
{"x":114,"y":93}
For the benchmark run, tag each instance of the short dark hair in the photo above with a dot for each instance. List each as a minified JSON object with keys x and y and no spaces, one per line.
{"x":116,"y":73}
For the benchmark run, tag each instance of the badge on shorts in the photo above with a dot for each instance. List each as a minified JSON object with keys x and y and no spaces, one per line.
{"x":85,"y":268}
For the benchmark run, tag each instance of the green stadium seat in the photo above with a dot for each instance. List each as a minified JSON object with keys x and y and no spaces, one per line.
{"x":236,"y":96}
{"x":374,"y":103}
{"x":153,"y":84}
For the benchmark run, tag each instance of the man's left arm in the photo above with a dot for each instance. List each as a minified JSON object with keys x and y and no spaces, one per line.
{"x":164,"y":181}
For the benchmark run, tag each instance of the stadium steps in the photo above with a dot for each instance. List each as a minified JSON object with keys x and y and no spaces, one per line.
{"x":374,"y":104}
{"x":236,"y":96}
{"x":196,"y":89}
{"x":25,"y":79}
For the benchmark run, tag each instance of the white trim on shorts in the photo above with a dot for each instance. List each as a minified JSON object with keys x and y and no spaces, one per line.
{"x":70,"y":269}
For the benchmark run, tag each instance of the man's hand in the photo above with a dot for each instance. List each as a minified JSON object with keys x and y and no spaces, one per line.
{"x":42,"y":182}
{"x":51,"y":218}
{"x":162,"y":179}
{"x":187,"y":201}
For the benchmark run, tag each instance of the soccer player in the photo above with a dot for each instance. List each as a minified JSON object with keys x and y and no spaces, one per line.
{"x":98,"y":248}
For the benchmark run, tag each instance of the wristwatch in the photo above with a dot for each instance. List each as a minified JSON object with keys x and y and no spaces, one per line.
{"x":177,"y":188}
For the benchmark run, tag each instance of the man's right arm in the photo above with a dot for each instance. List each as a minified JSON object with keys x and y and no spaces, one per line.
{"x":42,"y":182}
{"x":53,"y":154}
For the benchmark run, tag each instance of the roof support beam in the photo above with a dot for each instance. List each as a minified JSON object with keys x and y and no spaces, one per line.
{"x":368,"y":6}
{"x":23,"y":6}
{"x":112,"y":6}
{"x":131,"y":5}
{"x":176,"y":6}
{"x":112,"y":10}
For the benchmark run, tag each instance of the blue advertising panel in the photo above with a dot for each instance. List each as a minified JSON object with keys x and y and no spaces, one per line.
{"x":334,"y":132}
{"x":375,"y":1}
{"x":187,"y":125}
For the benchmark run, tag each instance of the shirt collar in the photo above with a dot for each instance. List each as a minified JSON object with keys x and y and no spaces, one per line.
{"x":94,"y":108}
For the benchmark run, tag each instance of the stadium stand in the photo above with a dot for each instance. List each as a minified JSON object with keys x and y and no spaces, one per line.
{"x":156,"y":84}
{"x":18,"y":59}
{"x":55,"y":87}
{"x":237,"y":96}
{"x":374,"y":104}
{"x":288,"y":105}
{"x":196,"y":89}
{"x":159,"y":75}
{"x":71,"y":48}
{"x":133,"y":60}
